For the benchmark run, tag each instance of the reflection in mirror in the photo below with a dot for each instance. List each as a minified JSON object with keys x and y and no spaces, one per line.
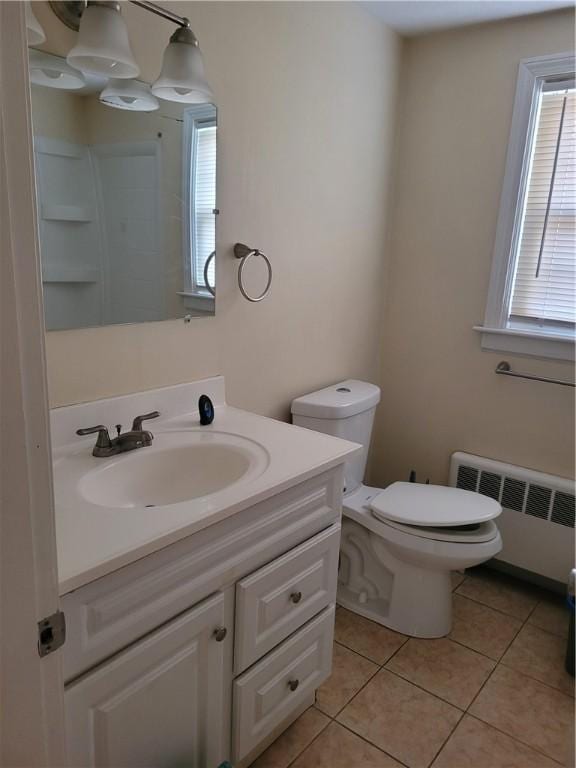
{"x":126,"y":189}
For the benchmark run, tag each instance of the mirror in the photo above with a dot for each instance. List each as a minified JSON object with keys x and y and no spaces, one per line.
{"x":126,"y":199}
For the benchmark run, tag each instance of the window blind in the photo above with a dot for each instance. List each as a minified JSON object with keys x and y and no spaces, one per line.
{"x":204,"y":202}
{"x":544,"y":282}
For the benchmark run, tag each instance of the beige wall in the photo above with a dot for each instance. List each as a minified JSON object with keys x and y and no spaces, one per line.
{"x":59,"y":115}
{"x":306,"y":97}
{"x":440,"y":393}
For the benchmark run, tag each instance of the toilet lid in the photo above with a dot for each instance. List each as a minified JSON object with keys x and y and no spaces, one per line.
{"x":433,"y":505}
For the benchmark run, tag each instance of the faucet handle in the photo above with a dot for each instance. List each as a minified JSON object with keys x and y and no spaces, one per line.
{"x":103,"y":440}
{"x":137,"y":423}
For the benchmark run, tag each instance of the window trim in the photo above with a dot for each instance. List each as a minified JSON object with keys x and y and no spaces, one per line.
{"x":495,"y":335}
{"x":194,"y":297}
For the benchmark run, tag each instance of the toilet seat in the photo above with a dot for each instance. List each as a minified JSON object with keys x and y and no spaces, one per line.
{"x":474,"y":534}
{"x":433,"y":506}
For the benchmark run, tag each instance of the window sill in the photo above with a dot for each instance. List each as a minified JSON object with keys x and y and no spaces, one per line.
{"x":529,"y":343}
{"x":199,"y":302}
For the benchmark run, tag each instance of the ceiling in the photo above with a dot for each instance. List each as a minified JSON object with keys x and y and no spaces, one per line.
{"x":414,"y":17}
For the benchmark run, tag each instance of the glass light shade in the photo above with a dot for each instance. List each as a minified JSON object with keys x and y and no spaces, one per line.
{"x":103,"y":47}
{"x":129,"y":94}
{"x":182,"y":77}
{"x":34,"y":31}
{"x":51,"y":72}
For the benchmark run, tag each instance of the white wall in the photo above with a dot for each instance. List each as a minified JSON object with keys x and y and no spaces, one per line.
{"x":440,"y":392}
{"x":306,"y":95}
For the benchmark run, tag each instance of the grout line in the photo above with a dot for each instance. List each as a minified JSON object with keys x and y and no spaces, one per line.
{"x":475,"y":650}
{"x":496,"y":667}
{"x":447,"y":739}
{"x":321,"y":731}
{"x":536,"y":680}
{"x":425,"y":690}
{"x":538,"y":750}
{"x":479,"y":602}
{"x":378,"y":664}
{"x":372,"y":744}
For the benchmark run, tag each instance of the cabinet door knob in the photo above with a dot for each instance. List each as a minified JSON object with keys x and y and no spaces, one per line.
{"x":293,"y":684}
{"x":295,"y":597}
{"x":219,"y":634}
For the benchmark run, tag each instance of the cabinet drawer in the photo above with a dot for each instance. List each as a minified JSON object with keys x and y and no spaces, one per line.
{"x":276,"y":600}
{"x":265,"y":695}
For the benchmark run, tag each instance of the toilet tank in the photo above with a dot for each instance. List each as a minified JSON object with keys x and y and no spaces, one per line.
{"x":344,"y":410}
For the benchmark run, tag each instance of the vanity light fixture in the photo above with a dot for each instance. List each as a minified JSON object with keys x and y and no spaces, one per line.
{"x":103,"y":48}
{"x":182,"y":77}
{"x":129,"y":94}
{"x":34,"y":31}
{"x":51,"y":72}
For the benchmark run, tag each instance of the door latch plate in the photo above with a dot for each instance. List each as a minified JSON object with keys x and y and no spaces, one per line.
{"x":51,"y":633}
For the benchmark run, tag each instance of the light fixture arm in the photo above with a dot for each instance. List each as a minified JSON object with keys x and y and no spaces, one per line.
{"x":70,"y":12}
{"x":182,"y":21}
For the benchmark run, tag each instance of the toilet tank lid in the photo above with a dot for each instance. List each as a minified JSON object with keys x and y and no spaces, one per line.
{"x":433,"y":505}
{"x":347,"y":398}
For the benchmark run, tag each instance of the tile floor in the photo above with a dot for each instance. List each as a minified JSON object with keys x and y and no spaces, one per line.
{"x":494,"y":694}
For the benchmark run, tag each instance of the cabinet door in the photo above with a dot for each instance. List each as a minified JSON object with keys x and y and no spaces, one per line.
{"x":162,"y":703}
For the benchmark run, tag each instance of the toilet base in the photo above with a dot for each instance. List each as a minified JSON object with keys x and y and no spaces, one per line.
{"x":398,"y":579}
{"x":425,"y":613}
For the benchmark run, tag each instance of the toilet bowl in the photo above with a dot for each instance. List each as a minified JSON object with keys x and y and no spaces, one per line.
{"x":399,"y":545}
{"x":400,"y":575}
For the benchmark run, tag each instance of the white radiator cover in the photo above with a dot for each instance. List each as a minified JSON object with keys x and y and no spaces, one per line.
{"x":537,"y":521}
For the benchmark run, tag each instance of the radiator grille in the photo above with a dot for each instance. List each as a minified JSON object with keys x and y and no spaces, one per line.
{"x":467,"y":478}
{"x":513,"y":494}
{"x":490,"y":485}
{"x":519,"y":495}
{"x":563,"y":509}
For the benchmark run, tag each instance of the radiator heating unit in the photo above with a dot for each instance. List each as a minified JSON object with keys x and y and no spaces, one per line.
{"x":537,"y":521}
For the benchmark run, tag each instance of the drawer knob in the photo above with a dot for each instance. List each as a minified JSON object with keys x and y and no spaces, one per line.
{"x":293,"y":684}
{"x":295,"y":597}
{"x":219,"y":634}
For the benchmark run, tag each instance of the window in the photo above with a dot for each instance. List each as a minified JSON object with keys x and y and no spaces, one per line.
{"x":199,"y":200}
{"x":532,"y":302}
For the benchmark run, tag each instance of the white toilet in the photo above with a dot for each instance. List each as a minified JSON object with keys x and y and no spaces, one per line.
{"x":398,"y":545}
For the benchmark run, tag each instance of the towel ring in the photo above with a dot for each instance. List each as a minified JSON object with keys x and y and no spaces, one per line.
{"x":244,"y":253}
{"x":206,"y":266}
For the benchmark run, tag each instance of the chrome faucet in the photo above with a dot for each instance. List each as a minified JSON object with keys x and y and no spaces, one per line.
{"x":125,"y":441}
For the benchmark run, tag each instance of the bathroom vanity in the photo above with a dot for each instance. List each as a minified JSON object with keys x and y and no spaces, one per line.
{"x":197,"y":628}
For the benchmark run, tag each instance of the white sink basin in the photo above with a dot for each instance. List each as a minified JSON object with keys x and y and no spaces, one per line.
{"x":179,"y":466}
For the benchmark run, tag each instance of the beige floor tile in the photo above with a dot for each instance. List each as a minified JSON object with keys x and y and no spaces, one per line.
{"x":372,"y":640}
{"x":501,"y":592}
{"x":477,"y":745}
{"x":457,"y":578}
{"x":349,"y":673}
{"x":539,"y":654}
{"x":524,"y":708}
{"x":339,"y":748}
{"x":444,"y":668}
{"x":296,"y":738}
{"x":404,"y":721}
{"x":552,"y":615}
{"x":482,"y":628}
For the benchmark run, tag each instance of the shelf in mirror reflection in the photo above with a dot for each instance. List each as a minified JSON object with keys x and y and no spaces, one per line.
{"x":66,"y":213}
{"x":64,"y":274}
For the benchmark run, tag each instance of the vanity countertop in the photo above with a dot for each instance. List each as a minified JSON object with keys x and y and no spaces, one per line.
{"x":94,"y":540}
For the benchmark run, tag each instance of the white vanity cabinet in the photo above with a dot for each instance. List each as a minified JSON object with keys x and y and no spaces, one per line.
{"x":203,"y":651}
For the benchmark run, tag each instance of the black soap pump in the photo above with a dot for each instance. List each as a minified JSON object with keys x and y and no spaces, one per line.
{"x":206,"y":410}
